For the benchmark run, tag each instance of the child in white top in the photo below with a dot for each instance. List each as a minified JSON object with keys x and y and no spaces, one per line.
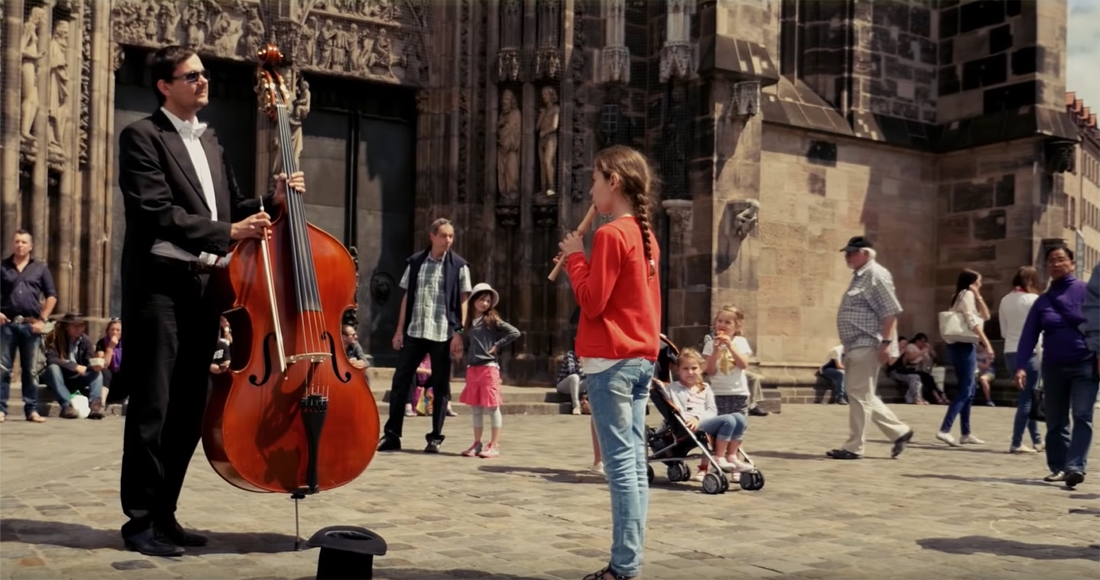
{"x":727,"y":357}
{"x":697,"y":405}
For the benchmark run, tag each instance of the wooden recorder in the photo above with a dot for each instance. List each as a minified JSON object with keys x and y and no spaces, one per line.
{"x":581,"y":229}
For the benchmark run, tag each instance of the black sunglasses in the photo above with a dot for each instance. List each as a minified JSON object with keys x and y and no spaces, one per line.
{"x":193,"y":76}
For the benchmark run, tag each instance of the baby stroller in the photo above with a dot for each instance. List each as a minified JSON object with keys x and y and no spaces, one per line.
{"x":672,"y":444}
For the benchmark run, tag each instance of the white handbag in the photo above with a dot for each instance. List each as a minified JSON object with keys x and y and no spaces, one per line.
{"x":954,"y":326}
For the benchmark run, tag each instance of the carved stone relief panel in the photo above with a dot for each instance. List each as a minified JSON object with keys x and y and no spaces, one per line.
{"x":577,"y":74}
{"x":59,"y":95}
{"x":508,"y":215}
{"x":85,"y":79}
{"x":371,"y":39}
{"x":547,"y":128}
{"x":545,"y":216}
{"x":679,"y":210}
{"x":509,"y":139}
{"x":32,"y":59}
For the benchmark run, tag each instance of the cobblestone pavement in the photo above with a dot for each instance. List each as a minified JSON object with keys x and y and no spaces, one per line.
{"x":936,"y":512}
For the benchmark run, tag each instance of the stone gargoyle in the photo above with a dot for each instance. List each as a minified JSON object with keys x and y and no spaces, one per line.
{"x":738,"y":220}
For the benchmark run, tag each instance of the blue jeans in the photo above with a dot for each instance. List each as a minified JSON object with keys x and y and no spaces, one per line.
{"x":63,"y":383}
{"x":725,"y":427}
{"x":837,"y":377}
{"x":1023,"y":401}
{"x":963,"y":357}
{"x":618,"y":397}
{"x":1069,"y":388}
{"x":13,"y":336}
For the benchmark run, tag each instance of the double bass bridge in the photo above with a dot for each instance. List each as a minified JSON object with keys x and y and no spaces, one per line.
{"x":309,"y":357}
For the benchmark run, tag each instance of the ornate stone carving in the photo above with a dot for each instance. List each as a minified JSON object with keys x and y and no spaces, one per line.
{"x":545,"y":216}
{"x":744,"y":99}
{"x":508,"y":216}
{"x":117,"y":56}
{"x":1060,"y":156}
{"x":509,"y":137}
{"x":578,"y":66}
{"x":59,"y":108}
{"x":675,"y":142}
{"x":677,"y":50}
{"x":85,"y":76}
{"x":547,"y":128}
{"x":32,"y":58}
{"x":509,"y":59}
{"x":745,"y":218}
{"x":547,"y":56}
{"x":615,"y":56}
{"x":679,"y":210}
{"x":353,"y":38}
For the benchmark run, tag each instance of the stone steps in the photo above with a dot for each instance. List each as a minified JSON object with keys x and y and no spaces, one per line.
{"x":517,"y":400}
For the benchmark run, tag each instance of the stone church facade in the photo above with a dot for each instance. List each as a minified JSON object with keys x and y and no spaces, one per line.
{"x":779,"y":128}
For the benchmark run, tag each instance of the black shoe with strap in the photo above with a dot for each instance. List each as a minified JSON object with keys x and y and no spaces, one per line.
{"x":606,"y":574}
{"x":389,"y":443}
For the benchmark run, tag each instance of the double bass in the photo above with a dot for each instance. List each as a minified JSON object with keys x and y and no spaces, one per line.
{"x":296,"y":417}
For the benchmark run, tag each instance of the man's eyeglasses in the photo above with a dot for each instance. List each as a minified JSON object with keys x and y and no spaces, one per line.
{"x":1058,"y":261}
{"x":193,"y":76}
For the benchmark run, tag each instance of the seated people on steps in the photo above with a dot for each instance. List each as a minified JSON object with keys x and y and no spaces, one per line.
{"x":72,"y":367}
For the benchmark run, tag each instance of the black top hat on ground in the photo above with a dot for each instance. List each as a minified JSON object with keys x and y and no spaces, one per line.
{"x":347,"y":552}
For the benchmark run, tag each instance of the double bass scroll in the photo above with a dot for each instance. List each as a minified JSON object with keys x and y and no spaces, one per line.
{"x":297,"y":417}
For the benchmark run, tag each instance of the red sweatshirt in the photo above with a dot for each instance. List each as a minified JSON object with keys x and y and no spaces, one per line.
{"x":620,"y":303}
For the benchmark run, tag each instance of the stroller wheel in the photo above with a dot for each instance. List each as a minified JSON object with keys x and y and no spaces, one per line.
{"x":725,"y":483}
{"x":649,"y":473}
{"x":678,"y":472}
{"x":712,"y":483}
{"x":752,"y":480}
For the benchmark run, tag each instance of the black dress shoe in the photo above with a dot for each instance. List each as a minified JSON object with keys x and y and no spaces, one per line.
{"x":146,"y":543}
{"x":842,"y":454}
{"x":389,"y":443}
{"x":900,"y":444}
{"x":433,"y":443}
{"x":174,"y":533}
{"x":1074,"y":478}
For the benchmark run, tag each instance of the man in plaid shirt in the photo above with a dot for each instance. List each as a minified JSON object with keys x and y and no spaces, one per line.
{"x":867,"y":324}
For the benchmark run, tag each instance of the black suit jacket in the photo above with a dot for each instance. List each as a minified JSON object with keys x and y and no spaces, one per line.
{"x":163,"y":196}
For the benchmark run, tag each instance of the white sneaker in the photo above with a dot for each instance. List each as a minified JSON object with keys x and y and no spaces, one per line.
{"x":598,"y":468}
{"x":971,"y":440}
{"x":699,"y":475}
{"x":726,"y":465}
{"x":1039,"y":446}
{"x":576,"y":410}
{"x":947,"y":438}
{"x":1021,"y":449}
{"x":1055,"y":476}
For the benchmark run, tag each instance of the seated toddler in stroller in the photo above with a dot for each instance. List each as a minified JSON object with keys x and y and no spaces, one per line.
{"x":691,"y":421}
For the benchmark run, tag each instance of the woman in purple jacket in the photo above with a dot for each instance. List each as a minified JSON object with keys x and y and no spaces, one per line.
{"x":1070,"y":375}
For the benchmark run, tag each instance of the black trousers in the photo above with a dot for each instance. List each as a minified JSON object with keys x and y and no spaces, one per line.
{"x":412,"y":352}
{"x":171,"y":332}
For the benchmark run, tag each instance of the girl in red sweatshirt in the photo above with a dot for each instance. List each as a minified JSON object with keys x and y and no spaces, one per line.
{"x":618,"y":339}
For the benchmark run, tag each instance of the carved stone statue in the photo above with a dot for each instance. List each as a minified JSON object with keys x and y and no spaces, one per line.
{"x":59,"y":91}
{"x":195,"y":21}
{"x":381,"y":53}
{"x":547,"y":127}
{"x":328,"y":36}
{"x":309,"y":42}
{"x":676,"y":53}
{"x":299,"y":110}
{"x":168,"y":18}
{"x":31,"y":57}
{"x":509,"y":127}
{"x":253,"y":33}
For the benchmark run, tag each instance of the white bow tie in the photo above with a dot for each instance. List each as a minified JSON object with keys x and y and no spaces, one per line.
{"x":192,"y":129}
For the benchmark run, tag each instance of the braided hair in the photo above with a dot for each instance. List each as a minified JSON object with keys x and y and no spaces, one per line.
{"x":638,"y":185}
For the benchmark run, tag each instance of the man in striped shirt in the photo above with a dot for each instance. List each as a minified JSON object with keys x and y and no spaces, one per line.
{"x":867,"y":324}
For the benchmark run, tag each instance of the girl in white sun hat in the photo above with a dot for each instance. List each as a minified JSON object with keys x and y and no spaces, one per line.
{"x":486,"y":334}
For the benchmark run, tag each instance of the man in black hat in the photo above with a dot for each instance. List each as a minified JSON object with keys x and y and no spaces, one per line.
{"x":867,"y":324}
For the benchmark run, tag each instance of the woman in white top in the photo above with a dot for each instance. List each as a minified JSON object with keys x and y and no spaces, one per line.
{"x":1012,"y":313}
{"x":963,"y":355}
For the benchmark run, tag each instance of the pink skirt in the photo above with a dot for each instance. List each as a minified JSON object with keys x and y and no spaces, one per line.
{"x":482,"y":387}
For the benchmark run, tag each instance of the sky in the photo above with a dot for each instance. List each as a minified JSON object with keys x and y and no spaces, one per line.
{"x":1083,"y":48}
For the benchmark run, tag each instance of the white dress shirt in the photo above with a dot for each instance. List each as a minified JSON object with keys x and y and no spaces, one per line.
{"x":190,"y":132}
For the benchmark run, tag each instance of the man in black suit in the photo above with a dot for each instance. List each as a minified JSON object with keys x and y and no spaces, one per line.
{"x":183,"y":208}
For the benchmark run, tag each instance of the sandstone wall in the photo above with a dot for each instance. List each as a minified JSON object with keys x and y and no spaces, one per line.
{"x":809,"y":210}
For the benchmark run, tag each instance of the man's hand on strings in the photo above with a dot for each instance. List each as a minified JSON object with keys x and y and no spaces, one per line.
{"x":297,"y":182}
